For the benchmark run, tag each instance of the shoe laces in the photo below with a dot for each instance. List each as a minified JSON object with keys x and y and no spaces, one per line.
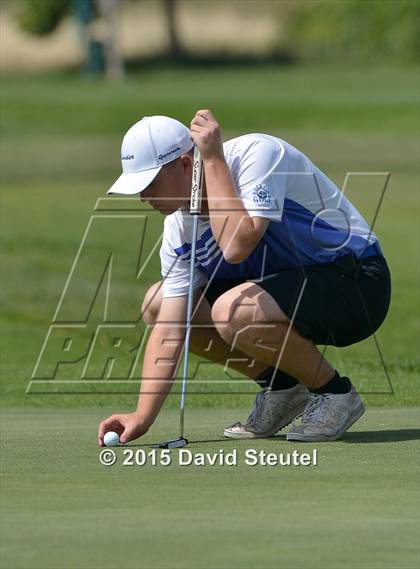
{"x":318,"y":409}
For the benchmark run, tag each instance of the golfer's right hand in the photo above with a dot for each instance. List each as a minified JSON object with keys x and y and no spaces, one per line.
{"x":128,"y":426}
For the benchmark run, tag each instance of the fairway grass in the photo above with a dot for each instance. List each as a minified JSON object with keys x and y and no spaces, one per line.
{"x":61,"y":508}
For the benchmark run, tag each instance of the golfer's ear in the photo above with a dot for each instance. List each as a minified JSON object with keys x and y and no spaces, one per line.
{"x":187,"y":163}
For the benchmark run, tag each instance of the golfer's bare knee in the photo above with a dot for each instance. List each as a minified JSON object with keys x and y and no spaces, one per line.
{"x":243,"y":308}
{"x":151,"y":304}
{"x":225,"y":315}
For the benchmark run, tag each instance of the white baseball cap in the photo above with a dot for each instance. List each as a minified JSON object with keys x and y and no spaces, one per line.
{"x":148,"y":145}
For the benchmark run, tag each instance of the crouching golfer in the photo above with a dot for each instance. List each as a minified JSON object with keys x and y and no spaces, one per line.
{"x":284,"y":263}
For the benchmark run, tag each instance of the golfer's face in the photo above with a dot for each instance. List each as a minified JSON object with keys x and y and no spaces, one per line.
{"x":170,"y":189}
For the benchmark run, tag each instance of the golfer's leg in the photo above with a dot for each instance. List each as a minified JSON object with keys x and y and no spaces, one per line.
{"x":249,"y":319}
{"x":205,"y":340}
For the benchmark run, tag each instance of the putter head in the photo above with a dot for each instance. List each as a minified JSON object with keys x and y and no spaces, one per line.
{"x":173,"y":443}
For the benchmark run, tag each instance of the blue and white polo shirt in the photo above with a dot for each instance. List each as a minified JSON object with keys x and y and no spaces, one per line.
{"x":310,"y":220}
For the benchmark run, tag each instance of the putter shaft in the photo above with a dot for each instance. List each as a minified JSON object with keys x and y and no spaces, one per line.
{"x":195,"y":210}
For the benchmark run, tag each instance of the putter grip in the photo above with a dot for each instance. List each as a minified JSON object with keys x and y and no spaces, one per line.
{"x":196,"y":183}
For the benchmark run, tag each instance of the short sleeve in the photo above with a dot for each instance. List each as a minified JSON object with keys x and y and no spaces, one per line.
{"x":261,"y":179}
{"x":175,"y":271}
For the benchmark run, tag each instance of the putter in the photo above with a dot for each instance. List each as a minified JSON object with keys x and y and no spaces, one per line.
{"x":195,"y":210}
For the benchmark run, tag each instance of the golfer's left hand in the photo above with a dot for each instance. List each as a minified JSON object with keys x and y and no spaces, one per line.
{"x":206,"y":134}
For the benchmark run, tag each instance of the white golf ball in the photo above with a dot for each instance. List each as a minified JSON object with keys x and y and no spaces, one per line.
{"x":111,"y":439}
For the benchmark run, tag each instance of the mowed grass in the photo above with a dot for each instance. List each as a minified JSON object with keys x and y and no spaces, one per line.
{"x":61,"y":508}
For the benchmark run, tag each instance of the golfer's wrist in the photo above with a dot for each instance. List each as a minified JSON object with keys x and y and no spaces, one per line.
{"x":214,"y":161}
{"x":142,"y":419}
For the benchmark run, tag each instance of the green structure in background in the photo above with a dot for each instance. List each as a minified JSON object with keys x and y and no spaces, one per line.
{"x":84,"y":12}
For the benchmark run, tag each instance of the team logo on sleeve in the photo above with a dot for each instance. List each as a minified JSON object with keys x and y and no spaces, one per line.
{"x":260,"y":194}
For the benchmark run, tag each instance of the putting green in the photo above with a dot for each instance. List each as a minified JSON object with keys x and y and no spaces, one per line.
{"x":61,"y":508}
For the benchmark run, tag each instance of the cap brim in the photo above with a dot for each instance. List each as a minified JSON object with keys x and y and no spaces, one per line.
{"x":131,"y":183}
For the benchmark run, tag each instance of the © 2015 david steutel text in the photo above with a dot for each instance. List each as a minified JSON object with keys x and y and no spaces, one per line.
{"x":249,"y":457}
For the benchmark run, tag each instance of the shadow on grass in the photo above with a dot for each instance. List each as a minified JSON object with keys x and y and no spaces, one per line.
{"x":190,"y":442}
{"x":391,"y":436}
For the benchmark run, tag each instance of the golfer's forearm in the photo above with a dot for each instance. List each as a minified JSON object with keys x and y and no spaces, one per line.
{"x":160,"y":364}
{"x":231,"y":224}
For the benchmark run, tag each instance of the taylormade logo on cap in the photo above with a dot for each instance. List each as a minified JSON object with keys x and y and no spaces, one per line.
{"x":163,"y":156}
{"x":147,"y":146}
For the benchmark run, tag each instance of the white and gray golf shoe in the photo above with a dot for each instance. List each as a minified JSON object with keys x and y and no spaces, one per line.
{"x":326,"y":417}
{"x":272,"y":411}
